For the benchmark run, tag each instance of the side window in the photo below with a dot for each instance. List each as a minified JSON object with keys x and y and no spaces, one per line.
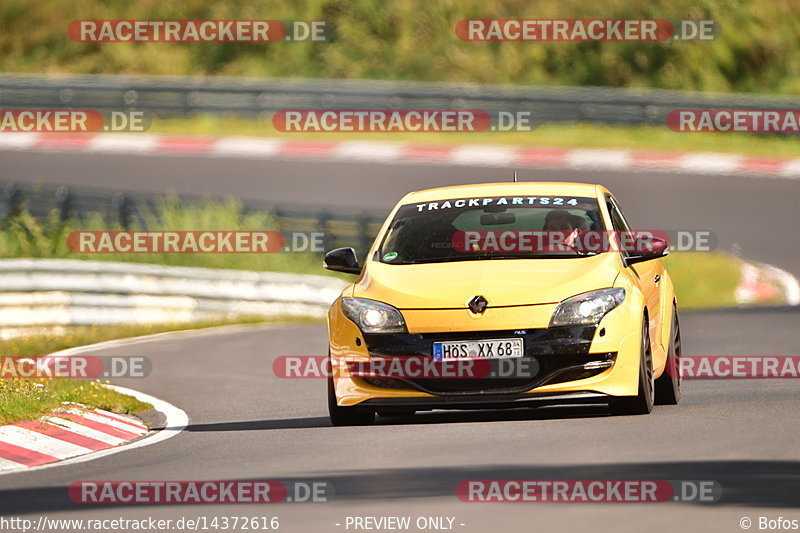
{"x":617,"y":219}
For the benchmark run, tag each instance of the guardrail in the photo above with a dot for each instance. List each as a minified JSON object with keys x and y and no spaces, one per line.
{"x":181,"y":96}
{"x":41,"y":293}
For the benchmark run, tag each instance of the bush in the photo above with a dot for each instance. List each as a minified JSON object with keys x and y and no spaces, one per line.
{"x":415,"y":40}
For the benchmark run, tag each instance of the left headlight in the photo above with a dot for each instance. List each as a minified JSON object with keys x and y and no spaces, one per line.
{"x":587,"y":308}
{"x":373,"y":317}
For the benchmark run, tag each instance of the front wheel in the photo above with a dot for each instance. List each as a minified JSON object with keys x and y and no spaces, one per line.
{"x":642,"y":403}
{"x":346,"y":416}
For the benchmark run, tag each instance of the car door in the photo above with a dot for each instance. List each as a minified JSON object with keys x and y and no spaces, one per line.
{"x":649,"y":273}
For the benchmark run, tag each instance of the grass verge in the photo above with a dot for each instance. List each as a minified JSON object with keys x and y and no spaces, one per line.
{"x":704,"y":280}
{"x":29,"y":399}
{"x":568,"y":135}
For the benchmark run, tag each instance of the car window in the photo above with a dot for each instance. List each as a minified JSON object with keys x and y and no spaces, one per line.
{"x":617,"y":218}
{"x":618,"y":221}
{"x":463,"y":229}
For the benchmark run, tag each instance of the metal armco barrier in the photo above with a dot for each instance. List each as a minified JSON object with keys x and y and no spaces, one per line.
{"x":182,"y":96}
{"x":64,"y":292}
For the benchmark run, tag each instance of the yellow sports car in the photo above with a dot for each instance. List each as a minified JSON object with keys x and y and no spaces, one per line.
{"x":503,"y":295}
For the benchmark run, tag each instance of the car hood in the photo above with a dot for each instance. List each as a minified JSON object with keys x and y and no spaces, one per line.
{"x":503,"y":282}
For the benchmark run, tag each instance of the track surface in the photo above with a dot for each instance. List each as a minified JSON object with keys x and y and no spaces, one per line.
{"x":757,"y":214}
{"x":248,"y":424}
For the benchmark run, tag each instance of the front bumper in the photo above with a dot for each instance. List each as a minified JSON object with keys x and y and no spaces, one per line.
{"x":551,"y":355}
{"x":561,"y":354}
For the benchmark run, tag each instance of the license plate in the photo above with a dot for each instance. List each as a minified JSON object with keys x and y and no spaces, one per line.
{"x":485,"y":349}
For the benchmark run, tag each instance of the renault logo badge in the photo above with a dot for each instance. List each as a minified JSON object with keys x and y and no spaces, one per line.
{"x":478,"y":304}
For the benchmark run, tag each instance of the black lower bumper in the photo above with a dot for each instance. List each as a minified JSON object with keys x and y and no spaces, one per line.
{"x":558,"y":355}
{"x":494,"y":401}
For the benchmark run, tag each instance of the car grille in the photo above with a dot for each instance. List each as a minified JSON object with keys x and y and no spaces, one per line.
{"x":559,"y":352}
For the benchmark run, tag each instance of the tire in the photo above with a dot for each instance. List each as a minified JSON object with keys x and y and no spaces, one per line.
{"x":668,"y":386}
{"x":642,"y":403}
{"x":346,"y":416}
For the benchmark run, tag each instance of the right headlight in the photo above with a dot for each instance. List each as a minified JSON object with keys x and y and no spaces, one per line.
{"x":587,"y":308}
{"x":372,"y":316}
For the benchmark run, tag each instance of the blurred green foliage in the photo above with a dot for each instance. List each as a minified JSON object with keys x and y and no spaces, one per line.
{"x":24,"y":236}
{"x":415,"y":40}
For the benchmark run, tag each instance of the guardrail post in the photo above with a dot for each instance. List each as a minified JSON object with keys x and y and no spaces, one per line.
{"x":12,"y":201}
{"x":122,"y":207}
{"x":322,"y":225}
{"x":64,"y":203}
{"x":364,"y":237}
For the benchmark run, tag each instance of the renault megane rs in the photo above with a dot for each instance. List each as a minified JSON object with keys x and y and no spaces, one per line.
{"x":503,"y":295}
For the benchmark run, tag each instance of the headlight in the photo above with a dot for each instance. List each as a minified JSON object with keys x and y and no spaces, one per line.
{"x":587,"y":308}
{"x":372,"y":316}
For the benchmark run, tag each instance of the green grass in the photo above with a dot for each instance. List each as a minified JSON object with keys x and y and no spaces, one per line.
{"x":29,"y":399}
{"x":569,"y":135}
{"x":415,"y":40}
{"x":704,"y":280}
{"x":24,"y":236}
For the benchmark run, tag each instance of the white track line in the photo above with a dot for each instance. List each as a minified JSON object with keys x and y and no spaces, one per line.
{"x":116,"y":343}
{"x":367,"y":151}
{"x":123,"y":144}
{"x":246,"y":147}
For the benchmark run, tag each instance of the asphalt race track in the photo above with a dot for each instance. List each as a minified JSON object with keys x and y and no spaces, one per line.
{"x":245,"y":423}
{"x":756,"y":214}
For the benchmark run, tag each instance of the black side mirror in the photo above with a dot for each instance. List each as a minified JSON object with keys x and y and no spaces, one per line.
{"x":655,"y":248}
{"x":342,"y":260}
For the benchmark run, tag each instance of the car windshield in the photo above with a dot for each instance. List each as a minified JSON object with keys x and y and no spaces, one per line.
{"x":484,"y":228}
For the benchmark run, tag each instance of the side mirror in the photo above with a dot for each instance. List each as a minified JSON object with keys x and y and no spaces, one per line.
{"x":655,"y":248}
{"x":342,"y":260}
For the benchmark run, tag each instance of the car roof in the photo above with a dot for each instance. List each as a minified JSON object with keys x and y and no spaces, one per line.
{"x":524,"y":188}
